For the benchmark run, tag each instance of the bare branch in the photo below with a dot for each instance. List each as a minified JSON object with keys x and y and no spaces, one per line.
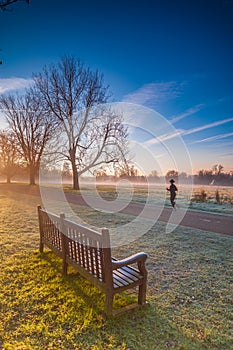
{"x":75,"y":96}
{"x":32,"y":126}
{"x":4,"y":4}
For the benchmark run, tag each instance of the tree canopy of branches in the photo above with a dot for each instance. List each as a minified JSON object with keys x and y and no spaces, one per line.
{"x":76,"y":96}
{"x":172,"y":174}
{"x":4,"y":4}
{"x":31,"y":125}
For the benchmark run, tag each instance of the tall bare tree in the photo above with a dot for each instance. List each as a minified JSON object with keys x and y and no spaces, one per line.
{"x":9,"y":155}
{"x":75,"y":95}
{"x":32,"y":126}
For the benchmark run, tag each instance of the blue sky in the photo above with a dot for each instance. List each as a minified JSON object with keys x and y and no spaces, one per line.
{"x":174,"y":57}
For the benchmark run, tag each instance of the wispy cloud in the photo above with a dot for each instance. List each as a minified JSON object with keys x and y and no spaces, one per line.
{"x":181,"y":132}
{"x":165,"y":137}
{"x":207,"y":126}
{"x":187,"y":113}
{"x":154,"y":93}
{"x":11,"y":84}
{"x":214,"y":138}
{"x":225,"y":99}
{"x":227,"y":154}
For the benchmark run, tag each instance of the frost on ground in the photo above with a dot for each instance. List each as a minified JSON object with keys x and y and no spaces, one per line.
{"x":215,"y":199}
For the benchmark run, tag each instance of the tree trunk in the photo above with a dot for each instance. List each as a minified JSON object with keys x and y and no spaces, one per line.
{"x":75,"y":178}
{"x":74,"y":169}
{"x":32,"y":175}
{"x":8,"y":178}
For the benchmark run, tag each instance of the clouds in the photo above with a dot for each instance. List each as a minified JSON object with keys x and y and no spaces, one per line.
{"x":154,"y":93}
{"x":215,"y":138}
{"x":207,"y":126}
{"x":187,"y":113}
{"x":163,"y":92}
{"x":181,"y":132}
{"x":12,"y":84}
{"x":165,"y":137}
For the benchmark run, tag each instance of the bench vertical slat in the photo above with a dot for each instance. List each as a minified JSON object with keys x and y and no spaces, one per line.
{"x":86,"y":252}
{"x":75,"y":252}
{"x":97,"y":262}
{"x":69,"y":248}
{"x":101,"y":258}
{"x":82,"y":251}
{"x":79,"y":248}
{"x":40,"y":229}
{"x":91,"y":256}
{"x":63,"y":244}
{"x":72,"y":246}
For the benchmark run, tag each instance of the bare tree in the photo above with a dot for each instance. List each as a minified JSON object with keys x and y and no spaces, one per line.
{"x":9,"y":155}
{"x":75,"y":95}
{"x":217,"y":169}
{"x":4,"y":4}
{"x":31,"y":125}
{"x":172,"y":174}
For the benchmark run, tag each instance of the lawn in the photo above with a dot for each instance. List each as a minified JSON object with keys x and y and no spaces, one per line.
{"x":189,"y":289}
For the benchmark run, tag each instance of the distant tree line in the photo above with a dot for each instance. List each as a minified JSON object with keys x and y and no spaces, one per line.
{"x":123,"y":171}
{"x":215,"y":176}
{"x":130,"y":172}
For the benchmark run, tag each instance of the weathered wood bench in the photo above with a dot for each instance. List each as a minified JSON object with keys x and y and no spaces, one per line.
{"x":89,"y":253}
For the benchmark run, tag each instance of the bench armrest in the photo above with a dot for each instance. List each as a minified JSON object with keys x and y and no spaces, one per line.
{"x":138,"y":258}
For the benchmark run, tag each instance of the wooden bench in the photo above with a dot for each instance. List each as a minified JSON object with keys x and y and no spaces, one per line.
{"x":89,"y":253}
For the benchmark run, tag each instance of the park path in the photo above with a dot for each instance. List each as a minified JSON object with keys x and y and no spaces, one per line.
{"x":211,"y":222}
{"x":201,"y":220}
{"x":196,"y":219}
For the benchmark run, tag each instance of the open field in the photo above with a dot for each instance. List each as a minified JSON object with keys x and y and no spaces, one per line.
{"x":187,"y":196}
{"x":189,"y":289}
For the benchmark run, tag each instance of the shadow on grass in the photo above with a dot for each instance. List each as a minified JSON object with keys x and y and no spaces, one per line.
{"x":139,"y":329}
{"x":40,"y":309}
{"x":85,"y":290}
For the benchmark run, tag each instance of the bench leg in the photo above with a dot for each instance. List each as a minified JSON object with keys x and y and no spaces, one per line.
{"x":108,"y":304}
{"x":41,"y":247}
{"x":64,"y":267}
{"x":142,"y":294}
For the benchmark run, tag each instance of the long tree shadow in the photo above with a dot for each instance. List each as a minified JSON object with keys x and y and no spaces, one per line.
{"x":139,"y":329}
{"x":39,"y":305}
{"x":92,"y":296}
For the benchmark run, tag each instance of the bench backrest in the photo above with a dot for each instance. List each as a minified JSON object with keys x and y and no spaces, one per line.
{"x":81,"y":245}
{"x":50,"y":230}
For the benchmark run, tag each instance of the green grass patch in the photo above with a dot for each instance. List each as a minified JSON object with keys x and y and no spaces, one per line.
{"x":189,"y":289}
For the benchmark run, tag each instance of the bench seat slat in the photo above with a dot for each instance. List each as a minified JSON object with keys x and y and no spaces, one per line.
{"x":119,"y":282}
{"x":126,"y":275}
{"x":120,"y":278}
{"x":130,"y":270}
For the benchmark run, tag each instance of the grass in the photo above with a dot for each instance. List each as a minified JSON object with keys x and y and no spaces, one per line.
{"x":189,"y":289}
{"x":217,"y":199}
